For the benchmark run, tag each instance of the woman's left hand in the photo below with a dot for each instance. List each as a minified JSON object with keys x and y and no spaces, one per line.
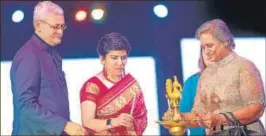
{"x":210,"y":120}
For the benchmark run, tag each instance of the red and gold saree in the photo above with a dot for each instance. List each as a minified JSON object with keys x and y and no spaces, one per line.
{"x":120,"y":98}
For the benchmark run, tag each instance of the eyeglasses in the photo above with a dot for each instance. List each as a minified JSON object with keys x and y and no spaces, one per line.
{"x":56,"y":27}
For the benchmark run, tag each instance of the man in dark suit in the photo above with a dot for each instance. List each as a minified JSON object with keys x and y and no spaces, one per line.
{"x":40,"y":94}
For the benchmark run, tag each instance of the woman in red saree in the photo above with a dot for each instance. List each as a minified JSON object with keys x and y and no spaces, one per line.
{"x":112,"y":102}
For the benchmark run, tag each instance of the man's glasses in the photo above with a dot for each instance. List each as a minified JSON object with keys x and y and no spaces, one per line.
{"x":56,"y":27}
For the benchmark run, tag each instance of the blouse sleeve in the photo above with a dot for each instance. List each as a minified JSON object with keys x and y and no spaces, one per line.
{"x":200,"y":100}
{"x":250,"y":84}
{"x":89,"y":92}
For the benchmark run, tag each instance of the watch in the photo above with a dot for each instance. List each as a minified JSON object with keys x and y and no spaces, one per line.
{"x":108,"y":123}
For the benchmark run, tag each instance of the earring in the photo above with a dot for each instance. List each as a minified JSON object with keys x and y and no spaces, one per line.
{"x":104,"y":71}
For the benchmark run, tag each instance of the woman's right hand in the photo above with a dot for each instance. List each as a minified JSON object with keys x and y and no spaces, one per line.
{"x":209,"y":120}
{"x":167,"y":115}
{"x":172,"y":115}
{"x":123,"y":119}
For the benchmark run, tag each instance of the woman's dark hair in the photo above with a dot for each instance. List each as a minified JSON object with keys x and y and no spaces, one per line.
{"x":112,"y":41}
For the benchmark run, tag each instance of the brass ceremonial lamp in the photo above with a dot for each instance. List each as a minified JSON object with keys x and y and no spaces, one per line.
{"x":173,"y":95}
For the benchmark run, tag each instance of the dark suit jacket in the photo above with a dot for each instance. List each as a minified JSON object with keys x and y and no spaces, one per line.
{"x":40,"y":96}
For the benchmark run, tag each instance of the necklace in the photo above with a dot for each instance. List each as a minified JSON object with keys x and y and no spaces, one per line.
{"x":105,"y":76}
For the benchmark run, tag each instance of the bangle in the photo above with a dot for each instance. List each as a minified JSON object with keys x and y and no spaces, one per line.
{"x":108,"y":123}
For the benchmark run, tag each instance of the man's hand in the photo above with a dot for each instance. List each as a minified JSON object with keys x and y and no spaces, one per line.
{"x":72,"y":128}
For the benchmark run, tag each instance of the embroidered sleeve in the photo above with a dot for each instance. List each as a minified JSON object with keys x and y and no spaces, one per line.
{"x":89,"y":92}
{"x":251,"y":86}
{"x":200,"y":99}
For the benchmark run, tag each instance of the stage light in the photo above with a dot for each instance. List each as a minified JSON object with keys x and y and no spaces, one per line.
{"x":97,"y":14}
{"x":160,"y":11}
{"x":81,"y":15}
{"x":17,"y":16}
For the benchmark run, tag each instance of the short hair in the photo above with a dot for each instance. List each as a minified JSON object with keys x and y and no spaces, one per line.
{"x":112,"y":41}
{"x":44,"y":7}
{"x":219,"y":30}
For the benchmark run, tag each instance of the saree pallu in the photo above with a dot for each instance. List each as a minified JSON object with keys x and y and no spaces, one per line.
{"x":120,"y":98}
